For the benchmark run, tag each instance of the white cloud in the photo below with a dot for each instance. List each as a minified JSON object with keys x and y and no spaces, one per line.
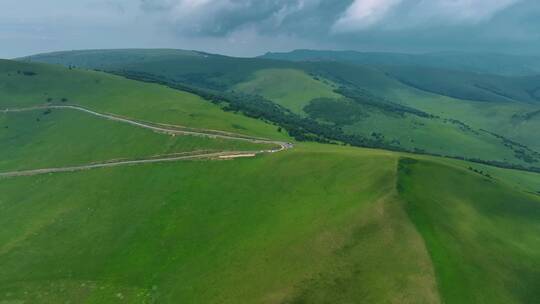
{"x":399,"y":14}
{"x":363,"y":14}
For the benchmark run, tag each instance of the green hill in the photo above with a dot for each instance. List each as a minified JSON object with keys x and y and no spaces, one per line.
{"x":37,"y":132}
{"x":46,"y":138}
{"x":314,"y":224}
{"x":291,"y":88}
{"x":112,"y":94}
{"x":195,"y":68}
{"x":392,"y":107}
{"x":471,"y":234}
{"x":469,"y":86}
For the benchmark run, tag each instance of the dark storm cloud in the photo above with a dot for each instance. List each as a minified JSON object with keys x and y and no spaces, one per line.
{"x":412,"y":25}
{"x":249,"y":27}
{"x":220,"y":18}
{"x":510,"y":28}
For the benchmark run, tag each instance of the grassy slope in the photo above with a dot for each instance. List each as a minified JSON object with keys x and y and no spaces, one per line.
{"x":433,"y":135}
{"x":504,"y":118}
{"x":108,"y":93}
{"x":518,"y":180}
{"x":225,"y":72}
{"x":481,"y":235}
{"x":317,"y":224}
{"x":507,"y":119}
{"x":469,"y":86}
{"x":311,"y":225}
{"x":102,"y":59}
{"x":31,"y":140}
{"x":293,"y":89}
{"x":195,"y":68}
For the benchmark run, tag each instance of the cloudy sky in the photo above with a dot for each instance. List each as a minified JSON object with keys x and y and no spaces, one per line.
{"x":252,"y":27}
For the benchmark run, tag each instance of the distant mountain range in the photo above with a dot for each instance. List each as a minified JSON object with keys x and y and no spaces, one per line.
{"x":492,"y":63}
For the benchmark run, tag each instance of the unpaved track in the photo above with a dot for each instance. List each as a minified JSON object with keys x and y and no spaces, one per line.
{"x":157,"y":128}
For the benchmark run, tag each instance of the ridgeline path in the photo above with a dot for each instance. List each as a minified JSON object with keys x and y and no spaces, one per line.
{"x":156,"y":127}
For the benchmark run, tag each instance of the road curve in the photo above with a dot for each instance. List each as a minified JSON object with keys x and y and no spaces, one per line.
{"x":168,"y":129}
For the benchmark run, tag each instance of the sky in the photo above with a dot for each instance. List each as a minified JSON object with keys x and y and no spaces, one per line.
{"x":253,"y":27}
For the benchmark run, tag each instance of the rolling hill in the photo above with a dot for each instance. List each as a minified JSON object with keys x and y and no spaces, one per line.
{"x":355,"y":104}
{"x":55,"y":117}
{"x":108,"y":93}
{"x":469,"y":86}
{"x":317,"y":223}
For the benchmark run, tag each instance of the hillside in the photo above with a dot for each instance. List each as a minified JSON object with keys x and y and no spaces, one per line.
{"x":321,"y":223}
{"x":195,"y":68}
{"x":45,"y":138}
{"x":469,"y":234}
{"x":56,"y":117}
{"x":313,"y":223}
{"x":343,"y":102}
{"x":108,"y":93}
{"x":469,"y":86}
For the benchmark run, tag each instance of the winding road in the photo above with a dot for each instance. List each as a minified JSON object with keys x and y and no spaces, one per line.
{"x":156,"y":127}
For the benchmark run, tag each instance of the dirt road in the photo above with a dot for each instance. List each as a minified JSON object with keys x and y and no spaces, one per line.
{"x":167,"y":129}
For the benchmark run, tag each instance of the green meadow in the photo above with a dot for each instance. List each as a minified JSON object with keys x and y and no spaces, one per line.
{"x":292,"y":89}
{"x":481,"y":235}
{"x":489,"y":117}
{"x":318,"y":223}
{"x":63,"y":137}
{"x":291,"y":225}
{"x":112,"y":94}
{"x":517,"y":121}
{"x":503,"y":105}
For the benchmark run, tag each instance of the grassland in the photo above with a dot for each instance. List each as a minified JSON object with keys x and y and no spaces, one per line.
{"x":297,"y":85}
{"x":503,"y":106}
{"x":434,"y":135}
{"x":288,"y":224}
{"x":469,"y":86}
{"x":516,"y":121}
{"x":112,"y":94}
{"x":317,"y":224}
{"x":443,"y":135}
{"x":290,"y":88}
{"x":483,"y":240}
{"x":194,"y":68}
{"x":59,"y":138}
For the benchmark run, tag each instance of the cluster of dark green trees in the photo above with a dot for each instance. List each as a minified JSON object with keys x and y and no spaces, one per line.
{"x":50,"y":99}
{"x":478,"y":171}
{"x":27,"y":73}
